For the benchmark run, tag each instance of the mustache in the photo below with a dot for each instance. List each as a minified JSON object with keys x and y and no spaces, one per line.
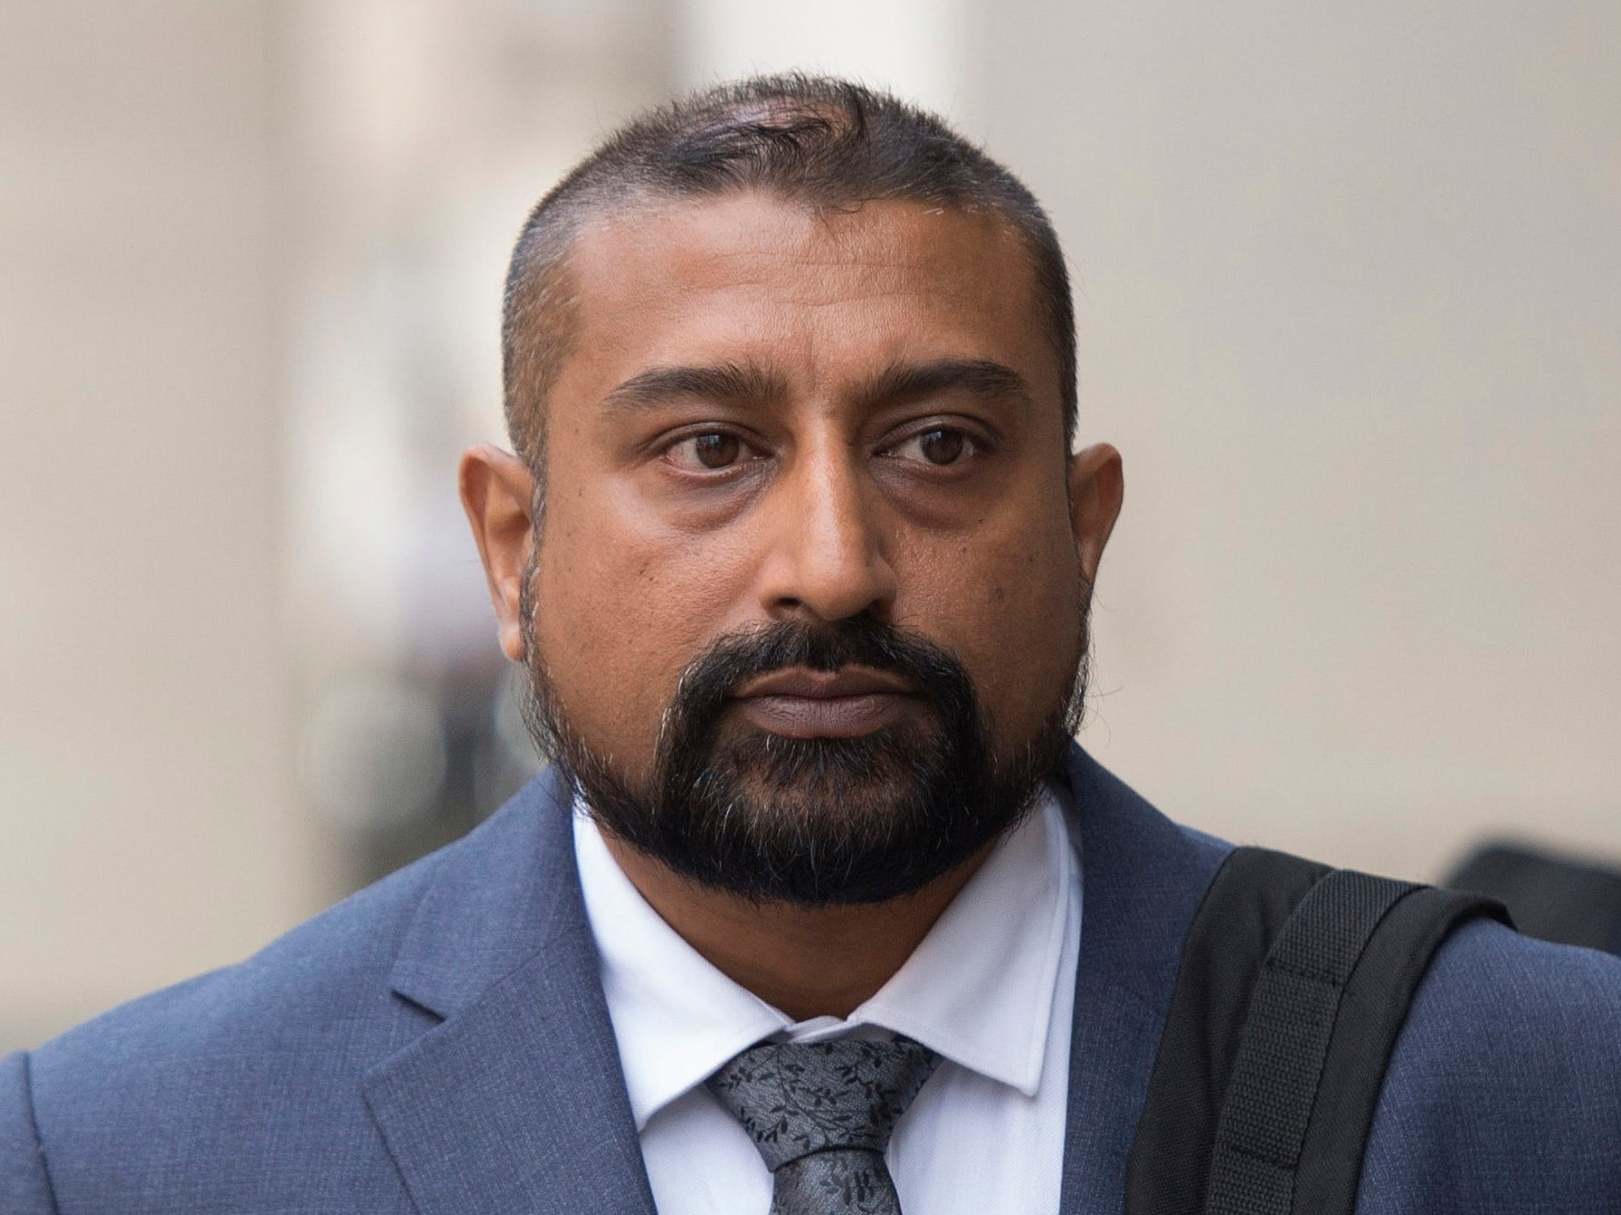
{"x":714,"y":676}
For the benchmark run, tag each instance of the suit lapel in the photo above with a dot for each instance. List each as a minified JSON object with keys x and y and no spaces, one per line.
{"x":515,"y":1104}
{"x":1142,"y":879}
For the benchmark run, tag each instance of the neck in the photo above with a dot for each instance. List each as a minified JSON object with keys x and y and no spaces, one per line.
{"x":806,"y":961}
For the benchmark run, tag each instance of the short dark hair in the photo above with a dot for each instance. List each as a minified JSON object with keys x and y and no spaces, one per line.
{"x":813,"y":139}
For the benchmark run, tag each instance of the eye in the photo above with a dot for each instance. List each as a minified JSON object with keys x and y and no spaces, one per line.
{"x":710,"y":451}
{"x":939,"y":445}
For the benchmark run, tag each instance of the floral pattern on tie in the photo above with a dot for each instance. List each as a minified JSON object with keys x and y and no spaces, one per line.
{"x":821,"y":1113}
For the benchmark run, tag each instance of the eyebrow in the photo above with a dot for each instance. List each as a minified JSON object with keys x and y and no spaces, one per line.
{"x":985,"y":379}
{"x":744,"y":383}
{"x":731,"y":383}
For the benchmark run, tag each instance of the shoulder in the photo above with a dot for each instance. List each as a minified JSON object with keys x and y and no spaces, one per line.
{"x":333,"y":979}
{"x":213,"y":1076}
{"x":1504,"y":1087}
{"x":325,"y":970}
{"x":236,"y":1080}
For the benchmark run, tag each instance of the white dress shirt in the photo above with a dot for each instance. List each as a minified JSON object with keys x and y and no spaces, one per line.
{"x":990,"y":989}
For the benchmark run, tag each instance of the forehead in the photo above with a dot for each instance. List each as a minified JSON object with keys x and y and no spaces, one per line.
{"x":815,"y":294}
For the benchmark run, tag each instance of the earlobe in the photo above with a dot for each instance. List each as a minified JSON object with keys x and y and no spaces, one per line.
{"x":497,"y":492}
{"x":1097,"y":486}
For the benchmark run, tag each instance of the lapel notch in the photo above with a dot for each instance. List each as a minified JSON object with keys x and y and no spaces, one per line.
{"x":515,"y":1103}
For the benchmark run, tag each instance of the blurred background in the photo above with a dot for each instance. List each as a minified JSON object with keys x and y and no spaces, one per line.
{"x":1348,"y":302}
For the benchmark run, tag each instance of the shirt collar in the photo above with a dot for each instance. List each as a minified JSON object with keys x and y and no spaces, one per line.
{"x":978,"y":990}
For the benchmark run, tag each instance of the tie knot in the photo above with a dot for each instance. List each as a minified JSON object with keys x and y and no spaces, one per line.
{"x":795,"y":1098}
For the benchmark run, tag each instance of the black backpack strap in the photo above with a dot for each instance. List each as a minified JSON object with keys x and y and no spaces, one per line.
{"x":1294,"y":982}
{"x":1246,"y":904}
{"x":1293,"y":1013}
{"x":1372,"y":1008}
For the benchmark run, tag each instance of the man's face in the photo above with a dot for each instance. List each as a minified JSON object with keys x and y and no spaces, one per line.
{"x":807,"y":483}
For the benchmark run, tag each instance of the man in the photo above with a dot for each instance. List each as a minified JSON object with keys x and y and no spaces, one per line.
{"x":818,"y":909}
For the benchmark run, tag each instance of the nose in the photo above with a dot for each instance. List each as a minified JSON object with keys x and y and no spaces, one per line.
{"x":826,"y":555}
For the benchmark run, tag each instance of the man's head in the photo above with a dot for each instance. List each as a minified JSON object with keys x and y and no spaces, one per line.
{"x":795,"y":367}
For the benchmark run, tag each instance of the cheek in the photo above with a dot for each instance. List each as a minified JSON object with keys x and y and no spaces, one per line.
{"x":621,"y":608}
{"x":1010,"y":605}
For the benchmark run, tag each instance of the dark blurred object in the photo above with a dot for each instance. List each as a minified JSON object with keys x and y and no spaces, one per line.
{"x":402,"y":762}
{"x":1552,"y":897}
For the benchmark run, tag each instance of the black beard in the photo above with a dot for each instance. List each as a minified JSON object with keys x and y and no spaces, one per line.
{"x":813,"y":821}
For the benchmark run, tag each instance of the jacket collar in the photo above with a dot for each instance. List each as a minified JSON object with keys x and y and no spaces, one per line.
{"x":1143,"y":877}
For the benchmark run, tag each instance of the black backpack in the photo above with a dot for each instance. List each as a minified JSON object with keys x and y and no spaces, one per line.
{"x":1295,"y":979}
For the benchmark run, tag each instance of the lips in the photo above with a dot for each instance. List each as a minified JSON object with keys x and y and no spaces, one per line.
{"x":801,"y":703}
{"x":824,"y":685}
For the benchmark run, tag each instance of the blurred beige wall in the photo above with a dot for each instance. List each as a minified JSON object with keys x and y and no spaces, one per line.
{"x":1349,"y":291}
{"x":147,"y":827}
{"x":1347,"y":283}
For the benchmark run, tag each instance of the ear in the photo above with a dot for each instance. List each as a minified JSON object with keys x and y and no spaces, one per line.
{"x":1097,"y":485}
{"x":497,"y":491}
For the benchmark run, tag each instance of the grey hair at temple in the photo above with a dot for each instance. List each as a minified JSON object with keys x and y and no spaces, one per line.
{"x":815,"y":140}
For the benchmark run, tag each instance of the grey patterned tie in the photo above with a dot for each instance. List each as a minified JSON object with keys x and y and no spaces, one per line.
{"x":820,"y":1114}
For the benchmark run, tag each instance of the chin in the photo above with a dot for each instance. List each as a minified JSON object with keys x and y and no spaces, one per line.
{"x":883,"y":765}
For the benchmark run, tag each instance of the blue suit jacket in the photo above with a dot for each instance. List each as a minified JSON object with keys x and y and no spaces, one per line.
{"x":439,"y":1045}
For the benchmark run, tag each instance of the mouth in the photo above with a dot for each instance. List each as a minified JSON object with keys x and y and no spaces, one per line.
{"x":848,"y":703}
